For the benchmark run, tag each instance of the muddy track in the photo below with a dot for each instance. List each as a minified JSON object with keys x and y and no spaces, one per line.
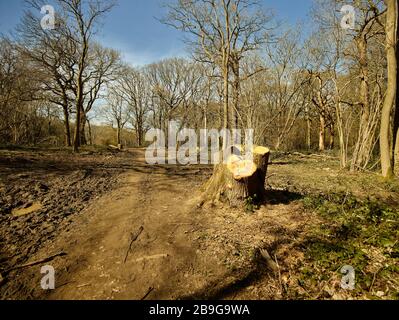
{"x":97,"y":240}
{"x":177,"y":250}
{"x":95,"y":264}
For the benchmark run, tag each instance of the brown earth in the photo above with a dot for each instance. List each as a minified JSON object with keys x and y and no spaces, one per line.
{"x":91,"y":205}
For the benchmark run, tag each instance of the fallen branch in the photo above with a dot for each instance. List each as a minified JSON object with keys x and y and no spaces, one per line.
{"x":279,"y":275}
{"x":269,"y":261}
{"x":148,"y":293}
{"x":115,"y":148}
{"x":157,"y":256}
{"x":34,"y":263}
{"x":314,"y":155}
{"x":134,"y":238}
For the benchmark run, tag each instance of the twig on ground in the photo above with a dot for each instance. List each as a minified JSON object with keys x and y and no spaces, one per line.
{"x":157,"y":256}
{"x":133,"y":239}
{"x":279,"y":275}
{"x":374,"y":278}
{"x":269,"y":261}
{"x":148,"y":293}
{"x":34,"y":263}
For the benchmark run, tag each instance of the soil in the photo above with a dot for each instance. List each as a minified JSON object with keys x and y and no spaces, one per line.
{"x":134,"y":231}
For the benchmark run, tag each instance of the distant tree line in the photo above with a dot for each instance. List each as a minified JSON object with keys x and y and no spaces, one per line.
{"x":329,"y":89}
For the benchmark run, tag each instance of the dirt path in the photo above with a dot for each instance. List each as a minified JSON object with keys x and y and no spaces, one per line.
{"x":160,"y":257}
{"x":183,"y":252}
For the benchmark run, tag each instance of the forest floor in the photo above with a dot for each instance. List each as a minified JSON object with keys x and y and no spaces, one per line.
{"x":94,"y":206}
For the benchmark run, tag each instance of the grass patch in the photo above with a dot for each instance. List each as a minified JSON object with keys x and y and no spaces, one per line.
{"x":360,"y":233}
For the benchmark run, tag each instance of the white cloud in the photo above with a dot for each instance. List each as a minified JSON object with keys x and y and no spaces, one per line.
{"x":140,"y":57}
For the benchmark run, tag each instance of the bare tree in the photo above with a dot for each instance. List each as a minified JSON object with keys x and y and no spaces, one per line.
{"x":116,"y":112}
{"x":386,"y":128}
{"x":352,"y":49}
{"x":82,"y":19}
{"x":19,"y":85}
{"x":134,"y":88}
{"x":103,"y":66}
{"x":173,"y":82}
{"x":223,"y":31}
{"x":55,"y":54}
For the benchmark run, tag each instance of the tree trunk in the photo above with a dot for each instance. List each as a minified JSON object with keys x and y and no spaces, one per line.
{"x":82,"y":131}
{"x":205,"y":120}
{"x":385,"y":133}
{"x":225,"y":105}
{"x":332,"y":137}
{"x":80,"y":90}
{"x":139,"y":136}
{"x":362,"y":147}
{"x":278,"y":143}
{"x":239,"y":179}
{"x":396,"y":137}
{"x":322,"y":133}
{"x":396,"y":117}
{"x":308,"y":130}
{"x":48,"y":121}
{"x":79,"y":102}
{"x":67,"y":127}
{"x":118,"y":136}
{"x":90,"y":133}
{"x":341,"y":136}
{"x":236,"y":95}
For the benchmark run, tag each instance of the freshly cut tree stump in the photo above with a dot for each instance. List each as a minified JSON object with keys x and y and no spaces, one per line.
{"x":239,"y":179}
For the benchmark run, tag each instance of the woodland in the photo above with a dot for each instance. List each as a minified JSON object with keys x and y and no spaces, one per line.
{"x":320,"y":192}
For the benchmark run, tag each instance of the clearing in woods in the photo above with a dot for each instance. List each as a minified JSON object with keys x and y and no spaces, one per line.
{"x":178,"y":250}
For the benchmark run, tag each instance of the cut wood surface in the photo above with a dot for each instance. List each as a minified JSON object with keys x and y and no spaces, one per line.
{"x":239,"y":177}
{"x":241,"y":168}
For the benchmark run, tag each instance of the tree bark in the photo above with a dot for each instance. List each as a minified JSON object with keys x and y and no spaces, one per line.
{"x":385,"y":133}
{"x":360,"y":154}
{"x":308,"y":130}
{"x":322,"y":133}
{"x":225,"y":104}
{"x":341,"y":136}
{"x":90,"y":133}
{"x":396,"y":116}
{"x":118,"y":136}
{"x":239,"y":179}
{"x":332,"y":137}
{"x":79,"y":104}
{"x":67,"y":128}
{"x":82,"y":131}
{"x":236,"y":95}
{"x":139,"y":136}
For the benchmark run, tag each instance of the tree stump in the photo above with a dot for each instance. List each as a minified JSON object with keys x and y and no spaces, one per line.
{"x":237,"y":179}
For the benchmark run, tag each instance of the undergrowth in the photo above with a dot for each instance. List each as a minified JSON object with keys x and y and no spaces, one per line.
{"x":363,"y":234}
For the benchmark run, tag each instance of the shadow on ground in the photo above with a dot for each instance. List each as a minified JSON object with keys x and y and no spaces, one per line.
{"x":276,"y":197}
{"x":232,"y":283}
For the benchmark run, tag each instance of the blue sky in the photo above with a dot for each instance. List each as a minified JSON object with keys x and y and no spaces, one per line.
{"x":132,"y":27}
